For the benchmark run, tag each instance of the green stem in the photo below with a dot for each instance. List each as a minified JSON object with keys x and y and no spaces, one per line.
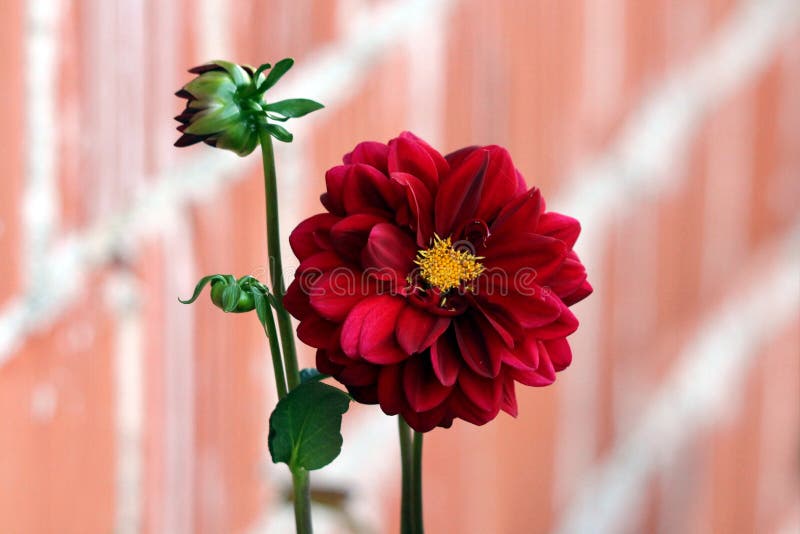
{"x":300,"y":477}
{"x":276,"y":263}
{"x":406,"y":462}
{"x":275,"y":350}
{"x":419,"y":527}
{"x":302,"y":501}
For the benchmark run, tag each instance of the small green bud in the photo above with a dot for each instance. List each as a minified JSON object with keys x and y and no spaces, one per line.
{"x":226,"y":109}
{"x":229,"y":294}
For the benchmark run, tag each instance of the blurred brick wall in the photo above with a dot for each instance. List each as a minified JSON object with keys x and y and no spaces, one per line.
{"x":671,"y":128}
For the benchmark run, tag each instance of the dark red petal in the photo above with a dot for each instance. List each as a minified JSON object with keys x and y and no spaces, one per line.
{"x":377,"y":343}
{"x":427,"y":421}
{"x":417,"y":330}
{"x":317,"y":332}
{"x":349,"y":235}
{"x":526,"y":311}
{"x":521,"y":214}
{"x":525,"y":356}
{"x":364,"y":394}
{"x":524,"y":257}
{"x":445,"y":360}
{"x":509,"y":401}
{"x":473,"y":347}
{"x":500,"y":183}
{"x":559,"y":226}
{"x":336,"y":292}
{"x":325,"y":365}
{"x":544,"y":375}
{"x":305,"y":239}
{"x":559,"y":352}
{"x":358,"y":373}
{"x":296,"y":301}
{"x":565,"y":325}
{"x":459,"y":194}
{"x":442,"y":167}
{"x":568,"y":278}
{"x":454,"y":159}
{"x":389,"y":253}
{"x":420,"y":203}
{"x":423,"y":390}
{"x":333,"y":199}
{"x":390,"y":389}
{"x":504,"y":324}
{"x":369,"y":153}
{"x":581,"y":293}
{"x":485,"y":393}
{"x":367,"y":190}
{"x":407,"y":156}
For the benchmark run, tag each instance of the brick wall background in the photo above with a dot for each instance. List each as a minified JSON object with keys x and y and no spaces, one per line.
{"x":670,"y":128}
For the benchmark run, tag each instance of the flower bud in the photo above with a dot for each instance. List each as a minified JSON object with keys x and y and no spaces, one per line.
{"x":222,"y":108}
{"x":225,"y":106}
{"x":229,"y":294}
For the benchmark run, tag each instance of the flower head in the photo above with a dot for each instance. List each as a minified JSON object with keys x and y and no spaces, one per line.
{"x":433,"y":285}
{"x":225,"y":106}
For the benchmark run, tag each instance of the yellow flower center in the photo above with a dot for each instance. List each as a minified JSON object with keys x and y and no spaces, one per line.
{"x":444,"y":267}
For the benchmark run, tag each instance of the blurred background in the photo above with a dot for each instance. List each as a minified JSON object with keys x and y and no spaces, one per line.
{"x":670,"y":128}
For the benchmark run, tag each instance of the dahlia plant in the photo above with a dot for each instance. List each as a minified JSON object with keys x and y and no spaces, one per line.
{"x":431,"y":285}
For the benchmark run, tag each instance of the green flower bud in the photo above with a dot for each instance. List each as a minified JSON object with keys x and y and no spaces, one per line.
{"x":229,"y":294}
{"x":222,"y":108}
{"x":225,"y":106}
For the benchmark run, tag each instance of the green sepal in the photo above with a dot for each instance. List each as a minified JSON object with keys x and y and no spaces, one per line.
{"x":230,"y":297}
{"x":240,"y":138}
{"x":310,"y":374}
{"x":215,"y":120}
{"x":239,"y":76}
{"x":305,"y":427}
{"x":212,"y":85}
{"x":279,"y":132}
{"x":294,"y":107}
{"x":262,"y":307}
{"x":280,"y":68}
{"x":199,"y":287}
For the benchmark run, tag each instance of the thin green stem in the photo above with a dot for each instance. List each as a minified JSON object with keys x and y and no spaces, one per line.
{"x":419,"y":527}
{"x":406,"y":462}
{"x":302,"y":501}
{"x":275,"y":351}
{"x":276,"y":263}
{"x":300,"y":477}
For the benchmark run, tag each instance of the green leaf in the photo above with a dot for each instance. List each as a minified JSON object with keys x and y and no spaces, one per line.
{"x":279,"y":132}
{"x":280,"y":68}
{"x":305,"y":428}
{"x":230,"y":297}
{"x":294,"y":107}
{"x":311,"y":375}
{"x":199,"y":287}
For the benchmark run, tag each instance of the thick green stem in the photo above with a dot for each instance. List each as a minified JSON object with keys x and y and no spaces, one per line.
{"x":302,"y":501}
{"x":276,"y":263}
{"x":419,"y":527}
{"x":407,"y":470}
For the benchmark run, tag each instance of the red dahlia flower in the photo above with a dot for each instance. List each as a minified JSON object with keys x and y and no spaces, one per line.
{"x":433,"y":284}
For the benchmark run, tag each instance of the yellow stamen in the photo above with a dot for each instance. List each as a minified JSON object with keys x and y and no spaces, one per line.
{"x":444,"y":267}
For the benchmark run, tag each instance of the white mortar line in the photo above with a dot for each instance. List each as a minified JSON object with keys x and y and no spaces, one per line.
{"x":694,"y":396}
{"x":40,"y":209}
